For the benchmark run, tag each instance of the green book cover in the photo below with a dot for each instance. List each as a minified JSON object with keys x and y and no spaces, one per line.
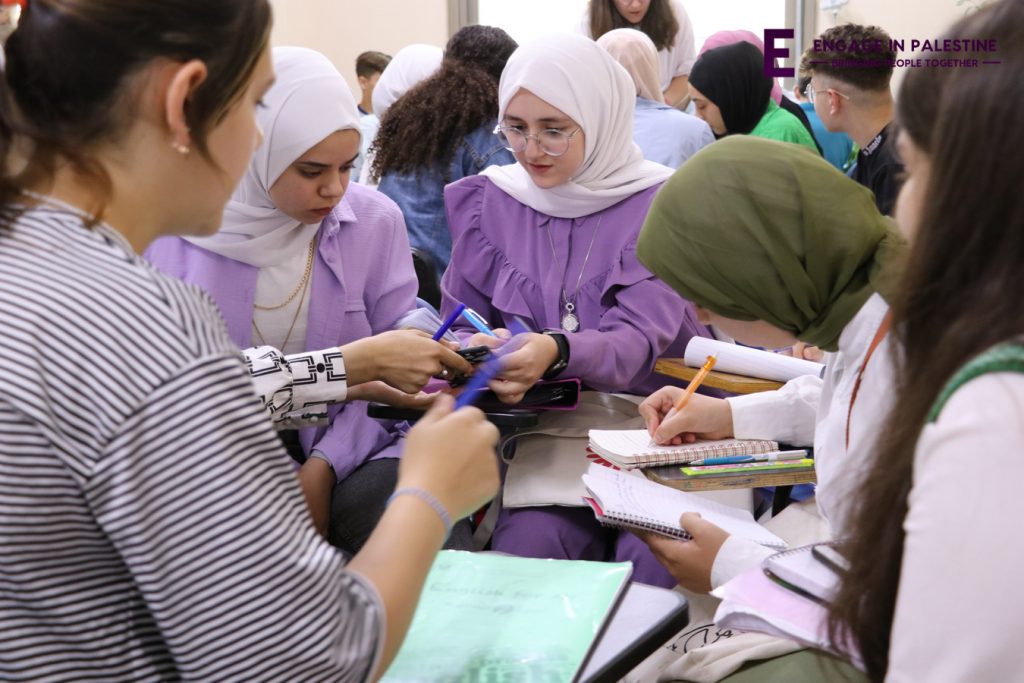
{"x":489,"y":617}
{"x":748,"y":467}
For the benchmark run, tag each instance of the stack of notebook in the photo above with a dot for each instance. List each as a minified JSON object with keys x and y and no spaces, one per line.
{"x":787,"y":596}
{"x":632,"y":448}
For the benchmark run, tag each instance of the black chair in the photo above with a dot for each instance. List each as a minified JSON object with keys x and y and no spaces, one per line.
{"x":428,"y":277}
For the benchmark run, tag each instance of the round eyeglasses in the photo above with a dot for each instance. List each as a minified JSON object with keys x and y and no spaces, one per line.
{"x":552,"y":142}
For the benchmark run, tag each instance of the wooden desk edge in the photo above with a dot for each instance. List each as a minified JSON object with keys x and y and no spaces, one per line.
{"x":723,"y":482}
{"x":739,"y":384}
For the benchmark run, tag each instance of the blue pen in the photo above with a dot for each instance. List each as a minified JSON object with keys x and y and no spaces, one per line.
{"x":490,"y":369}
{"x":762,"y":457}
{"x":477,"y":321}
{"x":449,"y":321}
{"x":483,"y":374}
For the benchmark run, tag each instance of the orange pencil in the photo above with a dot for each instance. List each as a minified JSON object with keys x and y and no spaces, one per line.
{"x":692,"y":387}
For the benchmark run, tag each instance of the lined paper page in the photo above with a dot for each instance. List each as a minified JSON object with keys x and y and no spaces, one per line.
{"x":742,"y":360}
{"x":623,"y":496}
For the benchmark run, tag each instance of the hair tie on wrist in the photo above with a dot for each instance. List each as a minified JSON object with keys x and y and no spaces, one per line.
{"x":430,"y":500}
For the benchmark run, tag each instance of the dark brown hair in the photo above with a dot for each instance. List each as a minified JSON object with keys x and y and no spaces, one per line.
{"x":869,"y":68}
{"x":424,"y":127}
{"x":65,"y":87}
{"x":660,"y":23}
{"x":372,"y":62}
{"x":956,"y":298}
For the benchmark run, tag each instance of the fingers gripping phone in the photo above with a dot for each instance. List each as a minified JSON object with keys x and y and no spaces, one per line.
{"x":475,"y":354}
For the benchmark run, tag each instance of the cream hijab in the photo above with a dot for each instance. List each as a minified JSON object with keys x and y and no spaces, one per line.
{"x":573,"y":74}
{"x":409,"y":66}
{"x":309,"y":101}
{"x":636,"y":52}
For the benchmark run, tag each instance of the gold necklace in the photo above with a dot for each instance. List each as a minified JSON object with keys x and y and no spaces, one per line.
{"x":303,"y":284}
{"x":300,"y":286}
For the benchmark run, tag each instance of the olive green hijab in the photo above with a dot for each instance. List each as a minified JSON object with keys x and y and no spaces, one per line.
{"x":755,"y":229}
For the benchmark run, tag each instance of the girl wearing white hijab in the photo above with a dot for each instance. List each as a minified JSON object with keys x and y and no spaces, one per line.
{"x":551,"y":241}
{"x":305,"y":260}
{"x":664,"y":134}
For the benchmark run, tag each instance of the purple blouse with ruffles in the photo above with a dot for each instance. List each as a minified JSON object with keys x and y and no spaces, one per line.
{"x":503,"y":266}
{"x":362,"y":282}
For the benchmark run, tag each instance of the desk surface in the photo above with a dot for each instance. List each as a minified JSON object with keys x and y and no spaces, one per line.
{"x":646,"y":619}
{"x":738,"y":384}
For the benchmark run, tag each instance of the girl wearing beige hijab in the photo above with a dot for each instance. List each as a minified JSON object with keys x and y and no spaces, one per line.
{"x":664,"y":134}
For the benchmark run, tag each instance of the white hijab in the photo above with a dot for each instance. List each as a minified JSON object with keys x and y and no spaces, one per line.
{"x":573,"y":74}
{"x":639,"y":57}
{"x":308,"y":101}
{"x":409,"y":66}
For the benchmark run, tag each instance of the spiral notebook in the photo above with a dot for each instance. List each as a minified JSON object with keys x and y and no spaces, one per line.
{"x":801,"y":570}
{"x":631,"y":448}
{"x":623,"y":500}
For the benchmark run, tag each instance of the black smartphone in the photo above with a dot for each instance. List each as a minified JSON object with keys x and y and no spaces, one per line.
{"x":475,"y":354}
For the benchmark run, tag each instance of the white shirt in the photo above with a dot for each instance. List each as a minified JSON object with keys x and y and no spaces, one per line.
{"x":960,"y":609}
{"x":807,"y":411}
{"x":674,"y":61}
{"x":284,"y":328}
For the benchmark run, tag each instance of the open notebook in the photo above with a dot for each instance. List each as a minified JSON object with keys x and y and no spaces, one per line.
{"x":743,"y":360}
{"x":623,"y":500}
{"x":631,"y":448}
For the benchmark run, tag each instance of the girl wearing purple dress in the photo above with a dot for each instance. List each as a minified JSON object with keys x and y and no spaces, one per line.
{"x":551,"y":240}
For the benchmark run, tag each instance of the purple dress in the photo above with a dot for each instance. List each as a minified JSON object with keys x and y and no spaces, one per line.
{"x":503,"y":266}
{"x":362,"y":282}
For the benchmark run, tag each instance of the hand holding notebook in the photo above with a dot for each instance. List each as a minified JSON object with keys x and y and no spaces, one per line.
{"x":623,"y":500}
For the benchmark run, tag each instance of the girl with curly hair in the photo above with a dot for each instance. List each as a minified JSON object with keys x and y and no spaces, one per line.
{"x":441,"y":131}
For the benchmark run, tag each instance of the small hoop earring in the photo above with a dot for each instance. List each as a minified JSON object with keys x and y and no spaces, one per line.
{"x":180,"y":148}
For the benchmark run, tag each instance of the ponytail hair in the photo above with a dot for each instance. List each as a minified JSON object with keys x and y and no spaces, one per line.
{"x":67,"y":84}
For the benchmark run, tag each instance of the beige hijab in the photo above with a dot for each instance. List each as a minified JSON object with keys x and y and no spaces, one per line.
{"x":637,"y":53}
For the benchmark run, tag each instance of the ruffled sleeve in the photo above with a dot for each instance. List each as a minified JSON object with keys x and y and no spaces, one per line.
{"x":642,"y":317}
{"x":480,"y":275}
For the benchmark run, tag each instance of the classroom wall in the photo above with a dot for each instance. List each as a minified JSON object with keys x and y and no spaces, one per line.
{"x":341,"y":29}
{"x":903,"y":19}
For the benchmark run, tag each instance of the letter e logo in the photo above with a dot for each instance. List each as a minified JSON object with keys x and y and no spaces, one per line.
{"x":771,"y":52}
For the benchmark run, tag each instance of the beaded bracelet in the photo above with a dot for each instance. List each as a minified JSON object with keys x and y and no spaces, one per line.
{"x":430,"y":500}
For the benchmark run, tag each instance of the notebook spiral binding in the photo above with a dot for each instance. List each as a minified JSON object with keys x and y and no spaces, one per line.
{"x":647,"y":523}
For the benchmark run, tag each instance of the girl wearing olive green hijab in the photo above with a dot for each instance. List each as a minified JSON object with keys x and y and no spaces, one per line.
{"x":775,"y":245}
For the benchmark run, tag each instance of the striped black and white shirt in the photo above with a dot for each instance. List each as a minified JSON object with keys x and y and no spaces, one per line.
{"x":151,"y":527}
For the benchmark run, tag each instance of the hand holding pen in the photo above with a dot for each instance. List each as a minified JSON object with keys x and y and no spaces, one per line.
{"x":704,"y":417}
{"x":491,"y":368}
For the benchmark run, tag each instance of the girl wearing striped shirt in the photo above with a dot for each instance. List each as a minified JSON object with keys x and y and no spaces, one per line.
{"x":150,"y":525}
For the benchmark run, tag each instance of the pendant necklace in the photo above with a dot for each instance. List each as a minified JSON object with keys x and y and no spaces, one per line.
{"x":570,"y":322}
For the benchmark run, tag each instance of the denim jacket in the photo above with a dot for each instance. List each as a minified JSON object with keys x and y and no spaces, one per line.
{"x":420,"y":195}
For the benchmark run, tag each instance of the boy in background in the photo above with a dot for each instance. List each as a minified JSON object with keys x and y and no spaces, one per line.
{"x":853,"y":97}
